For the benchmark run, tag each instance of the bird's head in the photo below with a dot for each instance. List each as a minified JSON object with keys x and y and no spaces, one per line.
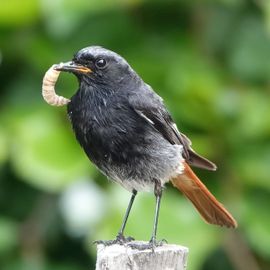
{"x":99,"y":67}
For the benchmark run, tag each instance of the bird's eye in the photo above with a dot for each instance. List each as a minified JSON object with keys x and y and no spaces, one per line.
{"x":101,"y":63}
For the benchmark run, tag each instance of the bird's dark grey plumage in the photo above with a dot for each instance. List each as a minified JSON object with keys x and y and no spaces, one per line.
{"x":127,"y":132}
{"x":123,"y":125}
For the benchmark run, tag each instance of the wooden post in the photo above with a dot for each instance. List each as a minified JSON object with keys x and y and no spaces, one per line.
{"x":125,"y":257}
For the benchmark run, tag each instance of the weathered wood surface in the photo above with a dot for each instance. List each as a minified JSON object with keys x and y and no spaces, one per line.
{"x":123,"y":257}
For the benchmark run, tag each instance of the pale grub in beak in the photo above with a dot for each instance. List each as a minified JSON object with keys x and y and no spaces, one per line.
{"x":48,"y":91}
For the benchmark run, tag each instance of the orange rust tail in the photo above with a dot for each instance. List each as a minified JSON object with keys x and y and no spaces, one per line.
{"x":208,"y":206}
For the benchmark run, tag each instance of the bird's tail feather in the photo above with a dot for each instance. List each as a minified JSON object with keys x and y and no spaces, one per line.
{"x":208,"y":206}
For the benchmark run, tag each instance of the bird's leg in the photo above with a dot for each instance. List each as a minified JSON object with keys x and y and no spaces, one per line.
{"x":153,"y":242}
{"x":158,"y":193}
{"x":120,"y":237}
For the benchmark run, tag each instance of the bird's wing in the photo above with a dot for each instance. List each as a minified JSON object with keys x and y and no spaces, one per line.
{"x":153,"y":111}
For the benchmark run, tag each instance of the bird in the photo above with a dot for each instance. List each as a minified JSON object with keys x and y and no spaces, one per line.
{"x":125,"y":129}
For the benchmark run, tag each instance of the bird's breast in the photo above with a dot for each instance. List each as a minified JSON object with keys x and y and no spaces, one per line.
{"x":106,"y":130}
{"x":122,"y":144}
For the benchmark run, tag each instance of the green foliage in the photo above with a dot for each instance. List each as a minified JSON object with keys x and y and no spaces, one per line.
{"x":3,"y":146}
{"x":40,"y":160}
{"x":207,"y":59}
{"x":8,"y":236}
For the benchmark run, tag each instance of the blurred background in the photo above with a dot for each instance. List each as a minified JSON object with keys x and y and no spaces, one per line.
{"x":209,"y":60}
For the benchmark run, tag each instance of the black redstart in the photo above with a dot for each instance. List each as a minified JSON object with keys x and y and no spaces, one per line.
{"x":127,"y":132}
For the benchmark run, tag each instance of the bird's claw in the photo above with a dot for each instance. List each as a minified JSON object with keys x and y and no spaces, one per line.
{"x":104,"y":242}
{"x":152,"y":244}
{"x":120,"y":240}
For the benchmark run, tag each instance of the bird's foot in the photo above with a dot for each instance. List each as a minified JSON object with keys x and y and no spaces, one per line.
{"x":152,"y":244}
{"x":120,"y":239}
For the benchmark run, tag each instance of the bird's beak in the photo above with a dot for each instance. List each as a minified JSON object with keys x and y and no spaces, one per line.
{"x":72,"y":67}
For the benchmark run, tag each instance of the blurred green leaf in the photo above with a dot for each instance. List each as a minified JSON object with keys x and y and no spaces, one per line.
{"x":64,"y":17}
{"x":266,"y":9}
{"x":257,"y":222}
{"x":43,"y":154}
{"x":8,"y":236}
{"x":253,"y":165}
{"x":3,"y":146}
{"x":254,"y":116}
{"x":250,"y":49}
{"x":17,"y":13}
